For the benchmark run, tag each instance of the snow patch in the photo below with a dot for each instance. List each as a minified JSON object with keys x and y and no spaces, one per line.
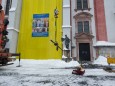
{"x":101,"y":60}
{"x":13,"y":9}
{"x":104,"y":43}
{"x":63,"y":56}
{"x":65,"y":48}
{"x":50,"y":63}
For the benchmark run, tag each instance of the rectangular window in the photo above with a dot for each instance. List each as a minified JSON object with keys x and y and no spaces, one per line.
{"x":86,"y":26}
{"x":80,"y":27}
{"x":83,"y":26}
{"x":82,"y":4}
{"x":85,"y":4}
{"x":79,"y":4}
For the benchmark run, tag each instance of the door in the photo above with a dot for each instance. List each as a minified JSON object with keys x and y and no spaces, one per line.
{"x":84,"y":51}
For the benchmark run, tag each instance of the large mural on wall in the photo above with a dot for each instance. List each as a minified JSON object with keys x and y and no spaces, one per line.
{"x":37,"y":29}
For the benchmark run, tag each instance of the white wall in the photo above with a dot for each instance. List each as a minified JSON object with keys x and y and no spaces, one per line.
{"x":13,"y":27}
{"x":12,"y":44}
{"x":73,"y":13}
{"x":66,"y":20}
{"x":93,"y":26}
{"x":110,"y":19}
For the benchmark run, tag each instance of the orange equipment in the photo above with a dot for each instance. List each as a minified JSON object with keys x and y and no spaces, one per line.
{"x":4,"y":52}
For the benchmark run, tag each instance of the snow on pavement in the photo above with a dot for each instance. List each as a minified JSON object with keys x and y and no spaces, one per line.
{"x":52,"y":73}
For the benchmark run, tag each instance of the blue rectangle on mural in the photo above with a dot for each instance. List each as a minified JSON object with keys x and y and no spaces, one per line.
{"x":40,"y":25}
{"x":41,"y":16}
{"x":41,"y":34}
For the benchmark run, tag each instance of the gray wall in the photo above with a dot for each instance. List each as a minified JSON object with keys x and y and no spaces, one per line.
{"x":110,"y":19}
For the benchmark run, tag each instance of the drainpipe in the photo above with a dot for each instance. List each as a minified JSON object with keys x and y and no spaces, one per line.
{"x":71,"y":28}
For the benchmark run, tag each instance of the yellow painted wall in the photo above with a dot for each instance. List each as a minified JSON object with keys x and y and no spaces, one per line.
{"x":39,"y":47}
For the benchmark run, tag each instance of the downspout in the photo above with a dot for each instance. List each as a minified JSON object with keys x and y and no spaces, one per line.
{"x":71,"y":28}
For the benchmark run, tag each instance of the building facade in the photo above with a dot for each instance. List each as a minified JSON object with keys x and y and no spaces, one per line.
{"x":89,"y":24}
{"x":92,"y":23}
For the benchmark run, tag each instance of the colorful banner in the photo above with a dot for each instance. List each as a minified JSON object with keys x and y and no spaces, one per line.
{"x":40,"y":25}
{"x":34,"y":38}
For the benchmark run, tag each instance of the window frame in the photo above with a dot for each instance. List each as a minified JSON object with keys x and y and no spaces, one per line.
{"x":83,"y":28}
{"x":84,"y":3}
{"x":78,"y":29}
{"x":88,"y":6}
{"x":80,"y":5}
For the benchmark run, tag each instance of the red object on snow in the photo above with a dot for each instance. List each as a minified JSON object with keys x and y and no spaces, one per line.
{"x":79,"y":71}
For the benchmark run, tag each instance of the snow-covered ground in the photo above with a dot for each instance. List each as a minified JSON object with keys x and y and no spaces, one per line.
{"x":54,"y":73}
